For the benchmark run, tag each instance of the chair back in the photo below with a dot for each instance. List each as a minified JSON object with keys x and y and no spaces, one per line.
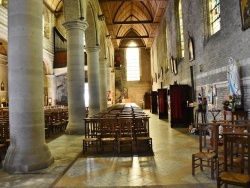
{"x":141,"y":126}
{"x":108,"y":127}
{"x":208,"y":137}
{"x":125,"y":127}
{"x":237,"y":144}
{"x":92,"y":127}
{"x":237,"y":128}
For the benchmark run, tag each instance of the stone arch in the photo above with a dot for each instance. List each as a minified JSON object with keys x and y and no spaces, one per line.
{"x":3,"y":47}
{"x":91,"y":34}
{"x":103,"y":52}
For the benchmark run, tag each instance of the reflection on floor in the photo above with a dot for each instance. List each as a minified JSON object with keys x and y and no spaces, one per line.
{"x":169,"y":167}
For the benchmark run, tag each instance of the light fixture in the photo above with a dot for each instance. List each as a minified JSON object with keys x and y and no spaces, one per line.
{"x":101,"y":17}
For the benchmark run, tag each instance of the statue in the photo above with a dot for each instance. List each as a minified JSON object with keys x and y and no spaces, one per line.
{"x":233,"y":78}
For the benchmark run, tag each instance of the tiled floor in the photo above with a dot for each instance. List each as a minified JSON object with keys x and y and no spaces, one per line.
{"x":169,"y":167}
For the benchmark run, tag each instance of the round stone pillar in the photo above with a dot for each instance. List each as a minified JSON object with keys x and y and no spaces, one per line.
{"x":109,"y":90}
{"x":28,"y":150}
{"x":75,"y":75}
{"x":103,"y":84}
{"x":93,"y":79}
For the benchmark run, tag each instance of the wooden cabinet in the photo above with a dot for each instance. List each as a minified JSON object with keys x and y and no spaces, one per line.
{"x":181,"y":114}
{"x":153,"y":102}
{"x":146,"y":100}
{"x":163,"y":103}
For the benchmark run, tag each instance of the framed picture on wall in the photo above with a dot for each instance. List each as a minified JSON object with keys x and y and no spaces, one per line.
{"x":175,"y":66}
{"x":245,"y":13}
{"x":172,"y":63}
{"x":191,"y":48}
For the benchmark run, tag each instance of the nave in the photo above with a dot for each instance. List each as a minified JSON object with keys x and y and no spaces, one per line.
{"x":169,"y":167}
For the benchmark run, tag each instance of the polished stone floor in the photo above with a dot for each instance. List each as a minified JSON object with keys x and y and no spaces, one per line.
{"x":170,"y":166}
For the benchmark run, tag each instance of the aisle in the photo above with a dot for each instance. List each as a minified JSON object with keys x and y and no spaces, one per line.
{"x":169,"y":167}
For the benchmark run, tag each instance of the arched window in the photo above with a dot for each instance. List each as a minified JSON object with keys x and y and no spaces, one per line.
{"x":181,"y":38}
{"x":214,"y":8}
{"x":133,"y":66}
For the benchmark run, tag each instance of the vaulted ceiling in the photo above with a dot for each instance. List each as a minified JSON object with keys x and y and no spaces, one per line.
{"x":126,"y":20}
{"x":135,"y":20}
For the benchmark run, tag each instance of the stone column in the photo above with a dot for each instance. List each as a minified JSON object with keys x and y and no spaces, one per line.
{"x":109,"y":69}
{"x":28,"y":150}
{"x":51,"y":88}
{"x":75,"y":75}
{"x":103,"y":84}
{"x":93,"y":79}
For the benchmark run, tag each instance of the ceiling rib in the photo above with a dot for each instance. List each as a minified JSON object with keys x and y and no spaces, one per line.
{"x":142,"y":16}
{"x":133,"y":22}
{"x":131,"y":37}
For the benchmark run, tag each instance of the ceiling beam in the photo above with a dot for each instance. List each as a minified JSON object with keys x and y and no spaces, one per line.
{"x":132,"y":37}
{"x":132,"y":47}
{"x":125,"y":0}
{"x":133,"y":22}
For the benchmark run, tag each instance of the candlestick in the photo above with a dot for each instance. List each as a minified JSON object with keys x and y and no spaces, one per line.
{"x":216,"y":102}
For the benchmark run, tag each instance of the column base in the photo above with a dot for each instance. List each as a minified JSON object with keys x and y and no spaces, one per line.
{"x":15,"y":162}
{"x":75,"y":128}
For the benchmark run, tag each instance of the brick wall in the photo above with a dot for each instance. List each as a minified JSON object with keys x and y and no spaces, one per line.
{"x":211,"y":52}
{"x":133,"y":90}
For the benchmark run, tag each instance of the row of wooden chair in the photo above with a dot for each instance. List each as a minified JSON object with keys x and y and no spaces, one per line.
{"x":224,"y":148}
{"x":117,"y":133}
{"x":4,"y":137}
{"x":55,"y":121}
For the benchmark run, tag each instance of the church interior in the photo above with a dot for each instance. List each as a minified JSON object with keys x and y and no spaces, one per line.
{"x":68,"y":65}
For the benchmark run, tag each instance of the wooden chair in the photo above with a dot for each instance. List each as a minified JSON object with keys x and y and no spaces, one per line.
{"x":47,"y":124}
{"x":125,"y":135}
{"x":108,"y":132}
{"x":57,"y":121}
{"x":232,"y":159}
{"x":141,"y":134}
{"x":92,"y":134}
{"x":236,"y":173}
{"x":3,"y":138}
{"x":208,"y":148}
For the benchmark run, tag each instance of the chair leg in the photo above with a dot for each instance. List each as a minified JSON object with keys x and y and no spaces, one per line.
{"x":119,"y":146}
{"x":193,"y":167}
{"x":218,"y":182}
{"x":201,"y":166}
{"x":212,"y":169}
{"x":83,"y":147}
{"x":97,"y":146}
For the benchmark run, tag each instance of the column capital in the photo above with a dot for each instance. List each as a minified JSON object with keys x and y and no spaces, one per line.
{"x":3,"y":59}
{"x":50,"y":75}
{"x":93,"y":49}
{"x":75,"y":24}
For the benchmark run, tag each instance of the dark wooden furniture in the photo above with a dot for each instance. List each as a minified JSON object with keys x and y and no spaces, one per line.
{"x":208,"y":148}
{"x":163,"y":103}
{"x":181,"y":114}
{"x":153,"y":102}
{"x":236,"y":115}
{"x":147,"y":100}
{"x":235,"y":173}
